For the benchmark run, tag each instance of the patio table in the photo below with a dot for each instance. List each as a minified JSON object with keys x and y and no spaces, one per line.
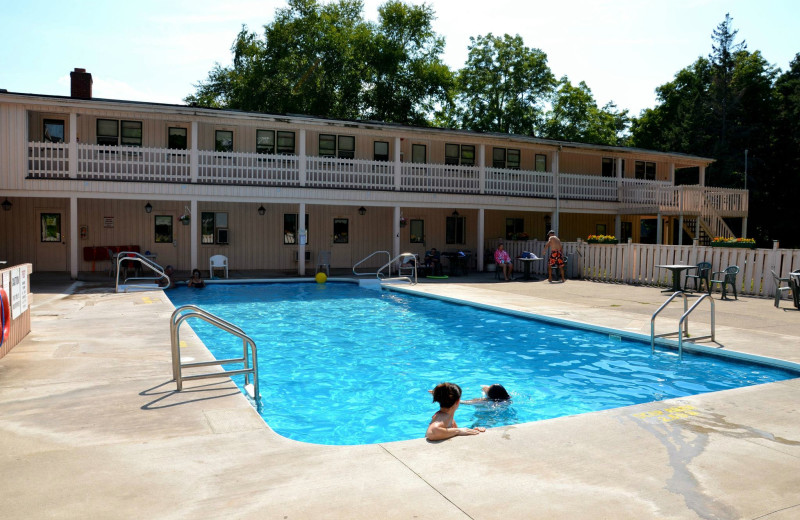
{"x":676,"y":275}
{"x":526,"y":266}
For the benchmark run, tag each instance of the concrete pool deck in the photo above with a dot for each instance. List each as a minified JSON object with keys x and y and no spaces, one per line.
{"x":91,"y":427}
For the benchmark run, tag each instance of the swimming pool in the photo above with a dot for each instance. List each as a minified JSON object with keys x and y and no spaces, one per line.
{"x":344,"y":365}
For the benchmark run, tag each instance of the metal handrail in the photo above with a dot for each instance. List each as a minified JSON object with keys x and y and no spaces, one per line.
{"x":653,"y":320}
{"x":686,"y":315}
{"x":388,"y":255}
{"x":185,"y":312}
{"x":399,"y":258}
{"x":133,"y":256}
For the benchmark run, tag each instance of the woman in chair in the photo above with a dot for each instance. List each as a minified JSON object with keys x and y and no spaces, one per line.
{"x":503,"y":261}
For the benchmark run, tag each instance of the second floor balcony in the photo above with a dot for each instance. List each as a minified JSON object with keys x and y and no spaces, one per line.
{"x":90,"y":162}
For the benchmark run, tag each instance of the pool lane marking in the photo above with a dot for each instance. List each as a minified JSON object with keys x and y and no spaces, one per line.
{"x":668,"y":414}
{"x":147,"y":299}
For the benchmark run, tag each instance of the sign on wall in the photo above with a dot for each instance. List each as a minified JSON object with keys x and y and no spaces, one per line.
{"x":108,"y":222}
{"x":23,"y":289}
{"x":15,"y":292}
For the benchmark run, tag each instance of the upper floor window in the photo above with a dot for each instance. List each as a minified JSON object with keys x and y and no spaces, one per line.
{"x":608,"y":167}
{"x":459,"y":154}
{"x":342,"y":146}
{"x":286,"y":142}
{"x":176,"y":138}
{"x":223,"y":141}
{"x":419,"y":153}
{"x":265,"y":141}
{"x":108,"y":132}
{"x":53,"y":130}
{"x":380,"y":151}
{"x":645,"y":170}
{"x":540,"y":164}
{"x":505,"y":158}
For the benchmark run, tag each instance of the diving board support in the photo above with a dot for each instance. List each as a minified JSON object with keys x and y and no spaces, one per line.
{"x":249,"y":359}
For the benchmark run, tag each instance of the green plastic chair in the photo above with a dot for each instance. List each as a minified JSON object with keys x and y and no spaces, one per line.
{"x":725,"y":278}
{"x":778,"y":289}
{"x":703,"y":276}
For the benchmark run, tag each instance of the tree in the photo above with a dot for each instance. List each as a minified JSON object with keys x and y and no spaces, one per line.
{"x":409,"y":79}
{"x":575,"y":116}
{"x":503,"y":86}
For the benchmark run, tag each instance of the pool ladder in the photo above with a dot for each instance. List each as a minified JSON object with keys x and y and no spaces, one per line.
{"x":683,"y":322}
{"x":185,"y":312}
{"x":404,"y":273}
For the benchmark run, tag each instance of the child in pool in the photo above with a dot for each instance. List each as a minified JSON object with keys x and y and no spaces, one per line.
{"x":493,"y":394}
{"x":443,"y":425}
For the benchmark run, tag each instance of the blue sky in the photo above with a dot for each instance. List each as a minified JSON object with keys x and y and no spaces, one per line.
{"x":156,"y":50}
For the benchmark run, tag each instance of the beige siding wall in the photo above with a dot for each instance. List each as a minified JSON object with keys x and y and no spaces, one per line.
{"x":13,"y":146}
{"x":20,"y":232}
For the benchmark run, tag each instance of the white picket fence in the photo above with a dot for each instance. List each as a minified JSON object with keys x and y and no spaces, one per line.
{"x":636,"y":263}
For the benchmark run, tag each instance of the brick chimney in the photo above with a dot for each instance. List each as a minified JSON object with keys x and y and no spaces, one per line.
{"x":80,"y":84}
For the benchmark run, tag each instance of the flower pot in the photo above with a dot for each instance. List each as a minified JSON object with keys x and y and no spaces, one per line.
{"x":186,"y":222}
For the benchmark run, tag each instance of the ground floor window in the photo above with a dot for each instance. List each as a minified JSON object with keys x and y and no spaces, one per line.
{"x":455,"y":230}
{"x":341,"y":230}
{"x":417,"y":231}
{"x":164,"y":231}
{"x":51,"y":227}
{"x":290,"y":230}
{"x":626,"y":232}
{"x":213,"y":227}
{"x":514,"y":228}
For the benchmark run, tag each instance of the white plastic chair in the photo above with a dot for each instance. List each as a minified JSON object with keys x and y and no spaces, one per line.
{"x":324,"y":262}
{"x":217,"y":262}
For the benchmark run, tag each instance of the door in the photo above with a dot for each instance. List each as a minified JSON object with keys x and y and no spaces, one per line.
{"x":51,"y":249}
{"x":165,"y":228}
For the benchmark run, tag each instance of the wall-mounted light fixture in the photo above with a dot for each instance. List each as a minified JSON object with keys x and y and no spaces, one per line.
{"x":361,"y":211}
{"x":262,"y":210}
{"x":148,"y":208}
{"x":455,"y":213}
{"x":6,"y":205}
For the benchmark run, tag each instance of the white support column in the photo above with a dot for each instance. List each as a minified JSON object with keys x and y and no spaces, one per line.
{"x":302,"y":234}
{"x":73,"y":145}
{"x":481,"y":234}
{"x":672,"y":173}
{"x":702,"y":177}
{"x":301,"y":162}
{"x":398,"y":165}
{"x":193,"y":229}
{"x":744,"y":227}
{"x":194,"y":156}
{"x":556,"y":191}
{"x":396,"y":232}
{"x":73,"y":237}
{"x":618,"y":164}
{"x":617,"y":226}
{"x":659,"y":230}
{"x":482,"y":170}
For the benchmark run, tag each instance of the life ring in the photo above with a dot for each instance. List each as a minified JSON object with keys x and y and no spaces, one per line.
{"x":5,"y":316}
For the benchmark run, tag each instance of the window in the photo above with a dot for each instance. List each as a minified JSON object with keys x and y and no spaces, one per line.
{"x":459,"y":154}
{"x":286,"y":143}
{"x":163,"y":229}
{"x":626,"y":231}
{"x":645,"y":170}
{"x":505,"y":158}
{"x":540,"y":162}
{"x":54,"y":130}
{"x":514,"y":226}
{"x":419,"y":153}
{"x":265,"y":141}
{"x":341,"y":228}
{"x":455,"y":230}
{"x":176,"y":138}
{"x":51,"y":227}
{"x":223,"y":141}
{"x":608,"y":167}
{"x":290,"y":231}
{"x":342,"y":146}
{"x":417,"y":231}
{"x":213,"y":227}
{"x":108,"y":132}
{"x":380,"y":151}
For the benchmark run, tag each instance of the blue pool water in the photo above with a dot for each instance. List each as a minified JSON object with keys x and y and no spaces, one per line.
{"x":344,"y":365}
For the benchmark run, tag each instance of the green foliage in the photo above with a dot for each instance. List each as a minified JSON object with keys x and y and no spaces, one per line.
{"x":503,"y":86}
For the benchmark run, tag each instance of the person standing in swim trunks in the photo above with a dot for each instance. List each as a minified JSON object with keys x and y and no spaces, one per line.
{"x":556,"y":258}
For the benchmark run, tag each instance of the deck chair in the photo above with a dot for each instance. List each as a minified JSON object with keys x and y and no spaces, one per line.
{"x":778,"y":289}
{"x":407,"y":264}
{"x":703,"y":275}
{"x":324,"y":262}
{"x":725,"y":278}
{"x":217,"y":262}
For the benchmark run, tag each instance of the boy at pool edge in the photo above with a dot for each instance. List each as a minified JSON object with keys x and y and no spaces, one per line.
{"x":443,"y":425}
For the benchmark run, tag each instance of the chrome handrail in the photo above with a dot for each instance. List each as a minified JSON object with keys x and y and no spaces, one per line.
{"x":388,"y":255}
{"x":686,"y":315}
{"x":133,"y":256}
{"x":653,"y":320}
{"x":185,"y":312}
{"x":399,"y":259}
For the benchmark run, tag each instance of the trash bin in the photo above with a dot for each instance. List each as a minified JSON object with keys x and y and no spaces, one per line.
{"x":572,"y":269}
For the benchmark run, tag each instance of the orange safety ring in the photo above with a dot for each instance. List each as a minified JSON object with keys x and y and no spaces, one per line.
{"x":5,"y":316}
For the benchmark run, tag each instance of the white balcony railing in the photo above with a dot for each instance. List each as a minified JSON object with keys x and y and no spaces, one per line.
{"x":125,"y":163}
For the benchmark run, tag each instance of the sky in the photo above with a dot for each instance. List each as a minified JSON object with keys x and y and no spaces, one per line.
{"x":157,"y":50}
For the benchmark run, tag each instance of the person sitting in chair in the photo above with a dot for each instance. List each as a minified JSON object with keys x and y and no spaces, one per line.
{"x":433,"y":261}
{"x":503,"y":261}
